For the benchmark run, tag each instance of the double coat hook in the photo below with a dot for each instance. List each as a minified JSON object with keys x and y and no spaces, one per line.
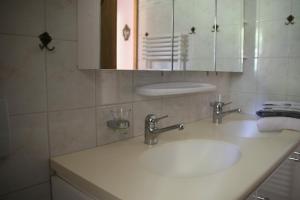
{"x":193,"y":30}
{"x":290,"y":20}
{"x":45,"y":39}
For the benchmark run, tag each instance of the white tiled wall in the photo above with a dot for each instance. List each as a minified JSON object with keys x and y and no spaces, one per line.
{"x":56,"y":109}
{"x":22,"y":73}
{"x":271,"y":71}
{"x":38,"y":192}
{"x":28,"y":161}
{"x":71,"y":130}
{"x":67,"y":87}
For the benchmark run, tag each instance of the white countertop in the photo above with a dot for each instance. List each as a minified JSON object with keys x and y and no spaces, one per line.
{"x":114,"y":171}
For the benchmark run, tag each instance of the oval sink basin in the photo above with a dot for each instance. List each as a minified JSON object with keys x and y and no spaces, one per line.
{"x":190,"y":158}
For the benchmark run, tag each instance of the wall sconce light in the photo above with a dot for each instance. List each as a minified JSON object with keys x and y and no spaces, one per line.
{"x":126,"y":32}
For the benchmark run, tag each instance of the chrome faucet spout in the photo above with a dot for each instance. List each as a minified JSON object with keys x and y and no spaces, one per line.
{"x":237,"y":110}
{"x":152,"y":132}
{"x":169,"y":128}
{"x":218,"y":112}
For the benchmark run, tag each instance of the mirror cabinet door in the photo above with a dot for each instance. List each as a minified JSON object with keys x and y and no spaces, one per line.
{"x":230,"y":35}
{"x":194,"y":20}
{"x":155,"y":34}
{"x":88,"y":34}
{"x":108,"y":58}
{"x":192,"y":35}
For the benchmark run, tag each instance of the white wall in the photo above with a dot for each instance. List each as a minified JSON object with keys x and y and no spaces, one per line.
{"x":272,"y":70}
{"x":55,"y":109}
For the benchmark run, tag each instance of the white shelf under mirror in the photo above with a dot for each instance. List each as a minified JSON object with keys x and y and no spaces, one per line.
{"x":174,"y":88}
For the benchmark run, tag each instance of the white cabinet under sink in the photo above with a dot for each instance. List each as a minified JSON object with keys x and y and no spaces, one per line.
{"x":61,"y":190}
{"x":283,"y":184}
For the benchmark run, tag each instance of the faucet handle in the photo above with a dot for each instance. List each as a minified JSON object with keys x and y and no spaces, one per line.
{"x":219,"y":103}
{"x":225,"y":104}
{"x":162,"y":117}
{"x":153,"y":119}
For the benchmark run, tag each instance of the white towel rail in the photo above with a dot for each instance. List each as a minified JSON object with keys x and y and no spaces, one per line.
{"x":164,"y":48}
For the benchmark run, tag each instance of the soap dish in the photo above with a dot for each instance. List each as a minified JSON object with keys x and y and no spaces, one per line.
{"x":118,"y":124}
{"x":120,"y":120}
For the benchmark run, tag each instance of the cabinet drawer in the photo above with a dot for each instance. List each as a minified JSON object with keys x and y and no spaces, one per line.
{"x":282,"y":184}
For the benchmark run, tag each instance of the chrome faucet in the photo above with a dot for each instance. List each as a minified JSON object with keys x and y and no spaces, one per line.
{"x":218,"y":112}
{"x":152,"y":132}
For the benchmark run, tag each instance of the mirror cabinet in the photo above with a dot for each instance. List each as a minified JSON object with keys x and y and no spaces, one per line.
{"x":164,"y":35}
{"x":155,"y":38}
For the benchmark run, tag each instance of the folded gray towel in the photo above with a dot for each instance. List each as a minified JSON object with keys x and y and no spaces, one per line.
{"x":280,"y":109}
{"x":278,"y":113}
{"x":281,"y":103}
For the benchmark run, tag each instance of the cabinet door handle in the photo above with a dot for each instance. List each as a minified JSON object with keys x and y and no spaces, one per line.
{"x":215,"y":28}
{"x":297,"y":158}
{"x":262,"y":198}
{"x":294,"y":159}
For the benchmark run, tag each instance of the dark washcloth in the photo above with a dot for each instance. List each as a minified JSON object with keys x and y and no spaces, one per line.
{"x":278,"y":113}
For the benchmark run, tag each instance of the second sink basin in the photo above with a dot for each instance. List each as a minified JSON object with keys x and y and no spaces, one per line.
{"x":247,"y":129}
{"x":190,"y":158}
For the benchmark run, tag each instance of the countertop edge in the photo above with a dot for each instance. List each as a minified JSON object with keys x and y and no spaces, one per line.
{"x":96,"y":191}
{"x":80,"y":183}
{"x":270,"y":171}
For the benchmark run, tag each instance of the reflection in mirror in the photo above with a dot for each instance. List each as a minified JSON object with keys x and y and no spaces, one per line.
{"x":118,"y":34}
{"x":194,"y":20}
{"x":137,"y":34}
{"x":230,"y":35}
{"x":193,"y":35}
{"x":214,"y":31}
{"x":155,"y":35}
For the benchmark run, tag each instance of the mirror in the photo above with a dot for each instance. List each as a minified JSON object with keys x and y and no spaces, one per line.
{"x":136,"y":34}
{"x":171,"y":35}
{"x":214,"y":32}
{"x":155,"y":35}
{"x":194,"y":19}
{"x":230,"y":35}
{"x":118,"y":34}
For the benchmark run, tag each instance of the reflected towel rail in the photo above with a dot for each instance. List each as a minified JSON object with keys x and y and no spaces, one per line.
{"x":159,"y":49}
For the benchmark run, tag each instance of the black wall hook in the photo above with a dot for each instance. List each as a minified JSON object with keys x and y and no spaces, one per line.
{"x":193,"y":30}
{"x":290,"y":20}
{"x":45,"y":38}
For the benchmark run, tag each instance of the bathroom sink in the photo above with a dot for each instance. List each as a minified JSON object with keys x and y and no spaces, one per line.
{"x":247,"y":129}
{"x":190,"y":158}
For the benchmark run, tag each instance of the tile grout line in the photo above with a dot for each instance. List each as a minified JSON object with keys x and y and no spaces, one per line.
{"x":85,"y":107}
{"x":132,"y":101}
{"x":95,"y":106}
{"x":47,"y":101}
{"x":35,"y":36}
{"x":17,"y":35}
{"x":46,"y":80}
{"x":29,"y":113}
{"x":23,"y":189}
